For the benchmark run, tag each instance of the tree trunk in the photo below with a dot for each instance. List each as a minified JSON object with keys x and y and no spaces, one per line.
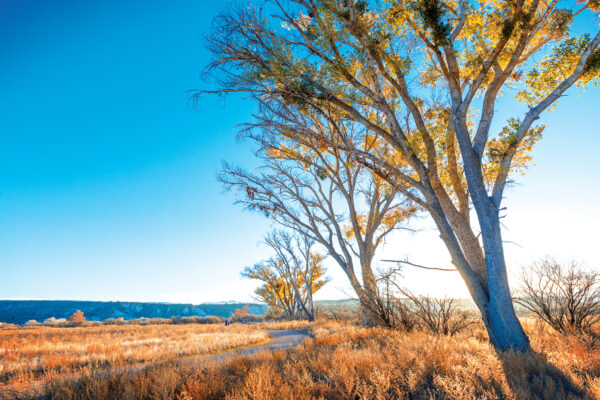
{"x":373,"y":315}
{"x":365,"y":299}
{"x":492,"y":297}
{"x":503,"y":326}
{"x":507,"y":332}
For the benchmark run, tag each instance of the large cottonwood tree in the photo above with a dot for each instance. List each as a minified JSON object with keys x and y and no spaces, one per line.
{"x":424,"y":77}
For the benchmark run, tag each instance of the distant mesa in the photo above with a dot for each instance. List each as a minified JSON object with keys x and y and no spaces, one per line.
{"x":21,"y":311}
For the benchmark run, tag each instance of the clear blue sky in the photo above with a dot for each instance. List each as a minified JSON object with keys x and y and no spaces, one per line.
{"x":107,"y":173}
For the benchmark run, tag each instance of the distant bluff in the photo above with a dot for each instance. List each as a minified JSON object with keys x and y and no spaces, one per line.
{"x":21,"y":311}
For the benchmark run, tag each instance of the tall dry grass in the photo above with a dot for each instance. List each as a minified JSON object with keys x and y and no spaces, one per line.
{"x":345,"y":361}
{"x":33,"y":353}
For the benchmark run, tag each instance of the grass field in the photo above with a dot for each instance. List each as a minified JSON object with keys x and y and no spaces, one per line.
{"x":34,"y":353}
{"x":340,"y":361}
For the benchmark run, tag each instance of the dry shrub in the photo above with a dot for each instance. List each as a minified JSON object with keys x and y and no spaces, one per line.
{"x":114,"y":321}
{"x":243,"y":315}
{"x":339,"y":314}
{"x":343,"y":360}
{"x":198,"y":320}
{"x":386,"y":308}
{"x":398,"y":308}
{"x":566,"y":296}
{"x":439,"y":315}
{"x":77,"y":316}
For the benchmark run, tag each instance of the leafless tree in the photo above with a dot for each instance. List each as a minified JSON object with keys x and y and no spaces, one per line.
{"x":325,"y":196}
{"x":566,"y":296}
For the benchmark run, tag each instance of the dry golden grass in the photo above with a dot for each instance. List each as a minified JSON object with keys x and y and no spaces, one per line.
{"x":344,"y":361}
{"x":28,"y":354}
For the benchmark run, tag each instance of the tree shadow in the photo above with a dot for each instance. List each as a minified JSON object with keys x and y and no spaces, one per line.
{"x":532,"y":377}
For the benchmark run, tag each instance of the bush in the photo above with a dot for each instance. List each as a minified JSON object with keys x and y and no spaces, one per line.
{"x":351,"y":362}
{"x":340,"y":314}
{"x":243,"y":315}
{"x":398,"y":308}
{"x":197,"y":320}
{"x":386,"y":308}
{"x":77,"y":316}
{"x":55,"y":322}
{"x":211,"y":319}
{"x":149,"y":321}
{"x":114,"y":321}
{"x":439,"y":315}
{"x":165,"y":321}
{"x":566,"y":296}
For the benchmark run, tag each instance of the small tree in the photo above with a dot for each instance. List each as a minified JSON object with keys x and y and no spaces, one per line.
{"x":77,"y":316}
{"x":291,"y":277}
{"x":241,"y":314}
{"x":566,"y":296}
{"x":274,"y":291}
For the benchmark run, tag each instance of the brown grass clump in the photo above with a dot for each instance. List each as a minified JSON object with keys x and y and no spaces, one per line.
{"x":345,"y":361}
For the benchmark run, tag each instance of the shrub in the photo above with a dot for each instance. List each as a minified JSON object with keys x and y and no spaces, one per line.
{"x":77,"y":316}
{"x":195,"y":319}
{"x":114,"y":321}
{"x":351,"y":362}
{"x":398,"y":308}
{"x":386,"y":308}
{"x":55,"y":322}
{"x":439,"y":315}
{"x":243,"y":315}
{"x":211,"y":319}
{"x":566,"y":296}
{"x":340,"y":314}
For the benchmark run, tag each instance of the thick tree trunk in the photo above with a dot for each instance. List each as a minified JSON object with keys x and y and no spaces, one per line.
{"x":368,"y":278}
{"x":498,"y":313}
{"x":507,"y":330}
{"x":366,"y":298}
{"x":374,"y":314}
{"x":492,"y":297}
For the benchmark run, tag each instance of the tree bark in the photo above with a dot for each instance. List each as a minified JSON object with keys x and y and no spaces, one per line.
{"x":507,"y":332}
{"x":503,"y":326}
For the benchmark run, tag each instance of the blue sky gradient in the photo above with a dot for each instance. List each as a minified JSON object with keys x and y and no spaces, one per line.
{"x":107,"y":172}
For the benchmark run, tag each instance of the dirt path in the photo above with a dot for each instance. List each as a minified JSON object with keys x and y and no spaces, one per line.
{"x":281,"y":340}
